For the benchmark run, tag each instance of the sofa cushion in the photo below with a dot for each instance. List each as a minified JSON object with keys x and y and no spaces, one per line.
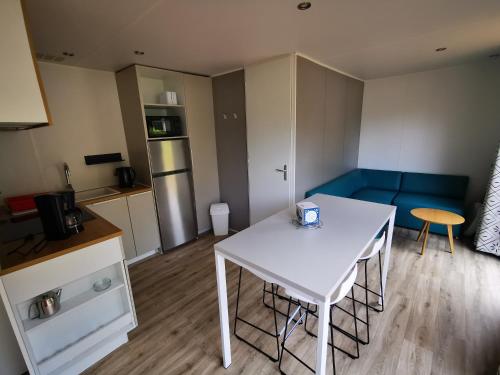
{"x":343,"y":186}
{"x":385,"y":180}
{"x":375,"y":195}
{"x":435,"y":184}
{"x":408,"y":201}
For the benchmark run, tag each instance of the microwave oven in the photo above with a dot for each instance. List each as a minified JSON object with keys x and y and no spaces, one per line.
{"x":164,"y":126}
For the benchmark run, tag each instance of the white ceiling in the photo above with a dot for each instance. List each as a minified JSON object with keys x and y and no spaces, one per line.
{"x":365,"y":38}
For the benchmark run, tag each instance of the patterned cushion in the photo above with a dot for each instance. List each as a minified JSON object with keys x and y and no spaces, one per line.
{"x":488,"y":234}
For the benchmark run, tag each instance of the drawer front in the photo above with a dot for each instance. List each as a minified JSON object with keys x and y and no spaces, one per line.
{"x":39,"y":278}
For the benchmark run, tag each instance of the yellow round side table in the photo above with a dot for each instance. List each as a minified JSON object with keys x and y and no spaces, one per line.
{"x":435,"y":216}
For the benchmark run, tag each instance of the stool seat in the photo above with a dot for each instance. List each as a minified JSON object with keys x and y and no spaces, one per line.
{"x":377,"y":246}
{"x":338,"y":295}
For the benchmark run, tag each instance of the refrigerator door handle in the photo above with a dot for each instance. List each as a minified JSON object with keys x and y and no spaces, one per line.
{"x":161,"y":174}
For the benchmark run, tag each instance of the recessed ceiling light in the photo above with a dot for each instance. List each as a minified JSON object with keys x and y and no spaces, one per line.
{"x":441,"y":49}
{"x":68,"y":54}
{"x":139,"y":53}
{"x":304,"y":5}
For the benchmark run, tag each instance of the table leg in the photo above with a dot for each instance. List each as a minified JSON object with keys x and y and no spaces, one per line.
{"x":387,"y":254}
{"x":425,"y":238}
{"x":450,"y":237}
{"x":323,"y":330}
{"x":220,"y":270}
{"x":422,"y":230}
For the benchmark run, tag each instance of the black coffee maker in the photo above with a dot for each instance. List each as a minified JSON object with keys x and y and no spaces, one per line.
{"x":51,"y":210}
{"x":126,"y":176}
{"x":59,"y":215}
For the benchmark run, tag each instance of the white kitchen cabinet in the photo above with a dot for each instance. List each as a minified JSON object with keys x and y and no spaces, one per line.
{"x":144,"y":223}
{"x":135,"y":215}
{"x":116,"y":212}
{"x":89,"y":324}
{"x":22,"y":99}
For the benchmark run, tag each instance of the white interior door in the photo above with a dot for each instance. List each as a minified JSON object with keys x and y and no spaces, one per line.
{"x":270,"y":90}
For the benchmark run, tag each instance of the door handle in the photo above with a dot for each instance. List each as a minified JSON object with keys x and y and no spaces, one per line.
{"x":284,"y":171}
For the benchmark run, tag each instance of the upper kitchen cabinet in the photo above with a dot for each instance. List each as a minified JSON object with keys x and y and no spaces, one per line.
{"x":22,"y":100}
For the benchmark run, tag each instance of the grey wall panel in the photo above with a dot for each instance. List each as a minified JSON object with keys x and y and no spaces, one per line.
{"x":328,"y":125}
{"x":310,"y":107}
{"x":231,"y":140}
{"x":333,"y":146}
{"x":353,"y":122}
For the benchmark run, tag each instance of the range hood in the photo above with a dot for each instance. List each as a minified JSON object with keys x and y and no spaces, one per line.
{"x":23,"y":104}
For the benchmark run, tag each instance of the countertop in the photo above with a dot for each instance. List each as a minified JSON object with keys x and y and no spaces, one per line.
{"x":123,"y":193}
{"x":95,"y":230}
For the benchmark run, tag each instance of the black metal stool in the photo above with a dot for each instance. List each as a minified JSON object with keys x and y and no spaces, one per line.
{"x":369,"y":254}
{"x":295,"y":298}
{"x":276,"y":334}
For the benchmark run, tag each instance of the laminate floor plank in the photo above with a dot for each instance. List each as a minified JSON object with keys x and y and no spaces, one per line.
{"x":442,"y":316}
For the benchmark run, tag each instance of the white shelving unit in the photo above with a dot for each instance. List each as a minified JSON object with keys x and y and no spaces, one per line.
{"x":89,"y":324}
{"x":58,"y":362}
{"x":139,"y":88}
{"x":71,"y":304}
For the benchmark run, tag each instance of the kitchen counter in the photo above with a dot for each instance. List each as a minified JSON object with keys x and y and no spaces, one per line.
{"x":90,"y":323}
{"x":123,"y":193}
{"x":95,"y":230}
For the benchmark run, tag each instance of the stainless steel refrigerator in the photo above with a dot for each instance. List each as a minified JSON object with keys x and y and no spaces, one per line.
{"x":170,"y":162}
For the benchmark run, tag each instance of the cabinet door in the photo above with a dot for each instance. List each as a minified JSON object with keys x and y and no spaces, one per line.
{"x":116,"y":212}
{"x":144,"y":222}
{"x":21,"y":98}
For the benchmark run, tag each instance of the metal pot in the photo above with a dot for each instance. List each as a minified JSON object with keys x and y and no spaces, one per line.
{"x":46,"y":305}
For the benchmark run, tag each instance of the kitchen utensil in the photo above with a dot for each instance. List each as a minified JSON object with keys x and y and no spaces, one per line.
{"x":46,"y":305}
{"x":126,"y":176}
{"x":73,"y":220}
{"x":102,"y":284}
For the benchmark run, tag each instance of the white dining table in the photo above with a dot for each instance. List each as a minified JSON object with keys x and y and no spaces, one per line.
{"x":311,"y":261}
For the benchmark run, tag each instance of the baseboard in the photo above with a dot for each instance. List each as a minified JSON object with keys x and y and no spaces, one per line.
{"x":204,"y":230}
{"x":141,"y":257}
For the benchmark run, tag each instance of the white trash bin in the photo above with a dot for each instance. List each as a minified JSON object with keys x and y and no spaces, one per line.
{"x":220,"y":218}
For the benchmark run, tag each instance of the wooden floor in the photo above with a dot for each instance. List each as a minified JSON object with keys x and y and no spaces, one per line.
{"x":442,"y":317}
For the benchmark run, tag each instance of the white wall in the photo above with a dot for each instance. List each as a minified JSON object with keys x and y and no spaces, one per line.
{"x":86,"y":120}
{"x":440,"y":121}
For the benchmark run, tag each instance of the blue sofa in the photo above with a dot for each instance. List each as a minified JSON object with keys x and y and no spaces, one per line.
{"x":406,"y":190}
